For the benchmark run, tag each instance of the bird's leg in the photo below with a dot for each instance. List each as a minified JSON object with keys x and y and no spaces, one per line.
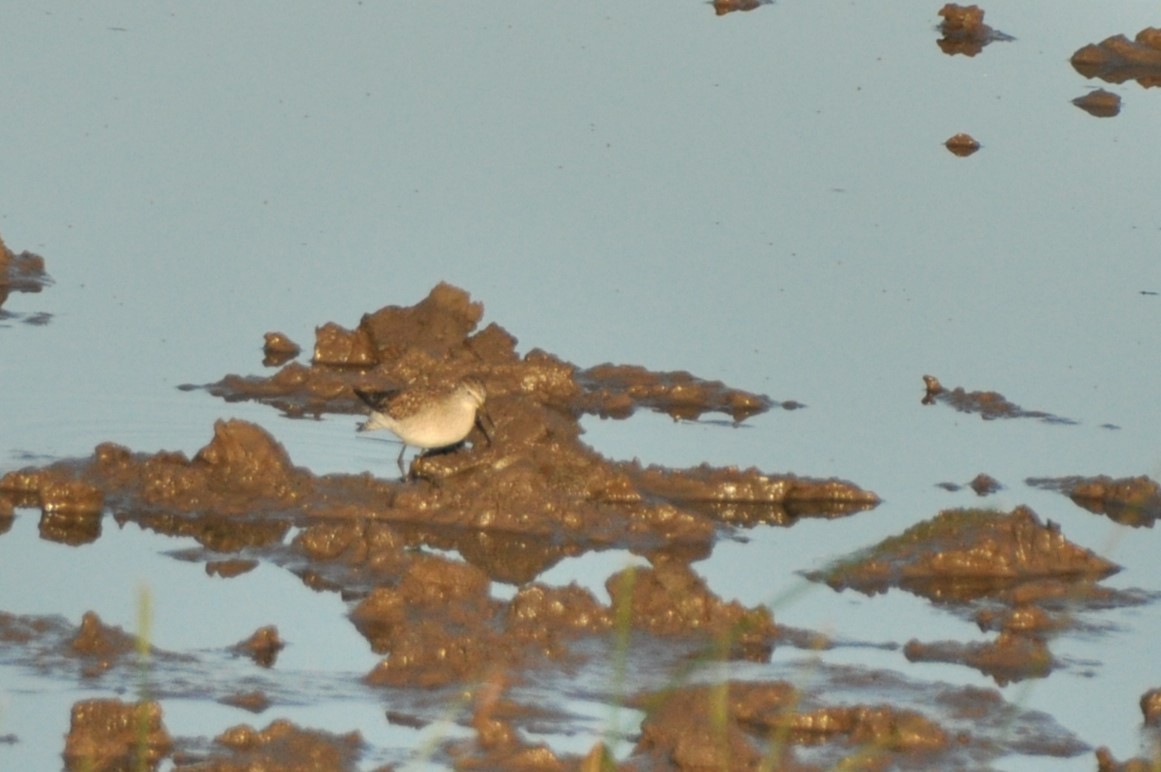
{"x":399,"y":461}
{"x":486,"y":424}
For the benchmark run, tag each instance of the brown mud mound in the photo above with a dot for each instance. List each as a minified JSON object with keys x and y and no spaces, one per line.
{"x":262,"y":646}
{"x":983,"y":484}
{"x":1099,"y":103}
{"x":439,"y":624}
{"x":962,"y":144}
{"x":433,"y":343}
{"x":1011,"y":656}
{"x":964,"y":31}
{"x":1022,"y":577}
{"x":279,"y":349}
{"x":1133,"y":501}
{"x":114,"y":735}
{"x":280,"y":746}
{"x":747,"y":725}
{"x":89,"y":650}
{"x":989,"y":404}
{"x":967,"y":554}
{"x":722,"y":7}
{"x":22,"y":272}
{"x":1117,"y":59}
{"x":535,"y":479}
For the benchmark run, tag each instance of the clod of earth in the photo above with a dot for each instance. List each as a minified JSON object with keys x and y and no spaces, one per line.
{"x":279,"y":349}
{"x":110,"y":734}
{"x":730,"y":725}
{"x":989,"y":404}
{"x":964,"y":31}
{"x":962,"y":144}
{"x":262,"y":646}
{"x":1099,"y":103}
{"x":1132,"y":501}
{"x":967,"y":554}
{"x":722,"y":7}
{"x":1023,"y":577}
{"x":22,"y":272}
{"x":1009,"y":657}
{"x":282,"y":745}
{"x":1117,"y":59}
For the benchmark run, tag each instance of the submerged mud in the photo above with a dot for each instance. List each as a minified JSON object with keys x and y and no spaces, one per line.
{"x":508,"y":509}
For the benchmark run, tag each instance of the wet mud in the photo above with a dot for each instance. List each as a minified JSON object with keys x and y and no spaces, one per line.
{"x":1011,"y":573}
{"x":962,"y":145}
{"x":989,"y":405}
{"x":983,"y":485}
{"x":1117,"y":59}
{"x":964,"y":32}
{"x":1132,"y":501}
{"x":1099,"y":103}
{"x":1151,"y":709}
{"x":23,"y":272}
{"x":417,"y":559}
{"x":722,"y":7}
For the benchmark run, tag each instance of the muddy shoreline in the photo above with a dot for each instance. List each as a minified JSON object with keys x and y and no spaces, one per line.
{"x":511,"y":508}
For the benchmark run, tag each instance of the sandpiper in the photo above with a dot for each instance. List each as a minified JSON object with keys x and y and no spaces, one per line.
{"x":429,"y":418}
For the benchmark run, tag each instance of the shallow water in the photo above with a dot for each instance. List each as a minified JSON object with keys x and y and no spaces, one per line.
{"x":761,"y":198}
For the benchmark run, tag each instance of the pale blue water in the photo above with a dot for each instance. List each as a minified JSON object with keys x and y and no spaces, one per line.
{"x":762,"y":198}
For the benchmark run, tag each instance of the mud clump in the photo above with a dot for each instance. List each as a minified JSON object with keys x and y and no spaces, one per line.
{"x":964,"y":31}
{"x":439,"y":624}
{"x":962,"y":145}
{"x":22,"y":272}
{"x":965,"y":554}
{"x":1132,"y":501}
{"x":669,"y":599}
{"x":100,"y":646}
{"x":254,"y":701}
{"x":262,"y":646}
{"x":728,"y":726}
{"x":722,"y":7}
{"x":1117,"y":59}
{"x":966,"y":557}
{"x":228,"y":569}
{"x":1099,"y":103}
{"x":1009,"y":657}
{"x":989,"y":405}
{"x":435,"y":342}
{"x":111,"y":735}
{"x":1151,"y":707}
{"x":983,"y":484}
{"x":281,"y":745}
{"x":279,"y":349}
{"x":536,"y":480}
